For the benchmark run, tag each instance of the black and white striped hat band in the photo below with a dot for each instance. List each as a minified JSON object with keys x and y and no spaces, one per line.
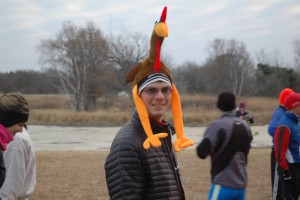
{"x":153,"y":78}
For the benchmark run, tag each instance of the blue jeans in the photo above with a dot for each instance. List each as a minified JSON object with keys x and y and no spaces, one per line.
{"x":219,"y":192}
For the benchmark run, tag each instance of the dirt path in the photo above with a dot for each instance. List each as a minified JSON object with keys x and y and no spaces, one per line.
{"x":56,"y":138}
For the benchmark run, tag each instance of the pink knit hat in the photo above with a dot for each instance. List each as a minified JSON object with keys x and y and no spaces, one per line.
{"x":242,"y":104}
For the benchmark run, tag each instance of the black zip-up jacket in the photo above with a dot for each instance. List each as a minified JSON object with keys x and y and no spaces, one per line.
{"x":135,"y":173}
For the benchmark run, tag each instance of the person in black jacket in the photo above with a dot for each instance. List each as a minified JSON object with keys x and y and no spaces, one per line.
{"x":14,"y":112}
{"x":227,"y":141}
{"x":142,"y":161}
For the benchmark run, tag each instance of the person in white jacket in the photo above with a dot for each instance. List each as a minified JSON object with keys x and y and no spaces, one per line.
{"x":20,"y":163}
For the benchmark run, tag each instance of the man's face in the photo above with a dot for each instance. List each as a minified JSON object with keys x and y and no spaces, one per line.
{"x":157,"y":99}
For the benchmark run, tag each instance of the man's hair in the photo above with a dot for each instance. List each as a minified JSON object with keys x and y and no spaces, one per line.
{"x":226,"y":101}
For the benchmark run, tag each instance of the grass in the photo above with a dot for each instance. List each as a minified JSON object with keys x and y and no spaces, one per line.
{"x":77,"y":175}
{"x":198,"y":110}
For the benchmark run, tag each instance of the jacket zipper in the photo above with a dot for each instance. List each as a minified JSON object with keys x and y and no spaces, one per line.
{"x":174,"y":163}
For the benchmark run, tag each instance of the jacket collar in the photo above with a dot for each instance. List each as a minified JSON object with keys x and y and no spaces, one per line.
{"x":155,"y":125}
{"x":228,"y":114}
{"x":292,"y":116}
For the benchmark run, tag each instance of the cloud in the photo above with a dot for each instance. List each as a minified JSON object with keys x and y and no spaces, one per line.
{"x":193,"y":24}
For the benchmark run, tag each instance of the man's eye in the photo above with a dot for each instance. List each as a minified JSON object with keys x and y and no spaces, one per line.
{"x":166,"y":90}
{"x":152,"y":91}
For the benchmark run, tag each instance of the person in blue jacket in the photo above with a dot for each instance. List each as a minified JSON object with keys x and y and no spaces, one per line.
{"x":276,"y":116}
{"x":286,"y":148}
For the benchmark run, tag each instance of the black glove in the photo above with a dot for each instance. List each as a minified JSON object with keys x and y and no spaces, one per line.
{"x":249,"y":119}
{"x":286,"y":174}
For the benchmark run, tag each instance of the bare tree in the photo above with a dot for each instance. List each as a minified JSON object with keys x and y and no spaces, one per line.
{"x":126,"y":50}
{"x":189,"y":78}
{"x":296,"y":44}
{"x":230,"y":65}
{"x":272,"y":58}
{"x":79,"y":54}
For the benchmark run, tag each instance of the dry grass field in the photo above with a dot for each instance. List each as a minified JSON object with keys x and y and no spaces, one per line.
{"x":198,"y":110}
{"x":79,"y":175}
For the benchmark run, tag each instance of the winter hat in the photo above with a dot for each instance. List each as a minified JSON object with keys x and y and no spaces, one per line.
{"x":10,"y":118}
{"x":13,"y":110}
{"x":292,"y":101}
{"x":150,"y":70}
{"x":226,"y":101}
{"x":242,"y":104}
{"x":153,"y":78}
{"x":283,"y":94}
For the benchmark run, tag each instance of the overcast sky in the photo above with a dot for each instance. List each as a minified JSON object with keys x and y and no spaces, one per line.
{"x":271,"y":25}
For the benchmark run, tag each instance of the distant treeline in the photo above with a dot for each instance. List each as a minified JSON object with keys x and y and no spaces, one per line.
{"x":29,"y":82}
{"x":190,"y":78}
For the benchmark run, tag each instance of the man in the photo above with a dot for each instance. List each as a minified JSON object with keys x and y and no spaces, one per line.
{"x":286,"y":148}
{"x":142,"y":163}
{"x":227,"y":140}
{"x":276,"y":116}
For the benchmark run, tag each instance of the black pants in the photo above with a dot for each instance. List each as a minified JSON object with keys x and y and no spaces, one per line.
{"x":273,"y":163}
{"x":291,"y":188}
{"x":276,"y":184}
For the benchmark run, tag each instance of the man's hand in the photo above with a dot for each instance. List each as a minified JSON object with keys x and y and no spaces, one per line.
{"x":286,"y":174}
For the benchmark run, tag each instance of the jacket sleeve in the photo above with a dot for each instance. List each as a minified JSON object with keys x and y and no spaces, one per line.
{"x":281,"y":143}
{"x":15,"y":173}
{"x":273,"y":123}
{"x":271,"y":129}
{"x":124,"y":172}
{"x":204,"y":148}
{"x":212,"y":140}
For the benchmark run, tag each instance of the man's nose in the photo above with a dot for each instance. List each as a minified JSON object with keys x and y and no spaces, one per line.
{"x":159,"y":94}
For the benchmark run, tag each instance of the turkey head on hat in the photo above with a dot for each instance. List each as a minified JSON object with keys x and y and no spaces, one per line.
{"x":153,"y":65}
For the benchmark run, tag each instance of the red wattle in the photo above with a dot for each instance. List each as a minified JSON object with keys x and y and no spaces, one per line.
{"x":157,"y":60}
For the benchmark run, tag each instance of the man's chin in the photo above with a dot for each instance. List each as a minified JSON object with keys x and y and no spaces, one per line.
{"x":157,"y":115}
